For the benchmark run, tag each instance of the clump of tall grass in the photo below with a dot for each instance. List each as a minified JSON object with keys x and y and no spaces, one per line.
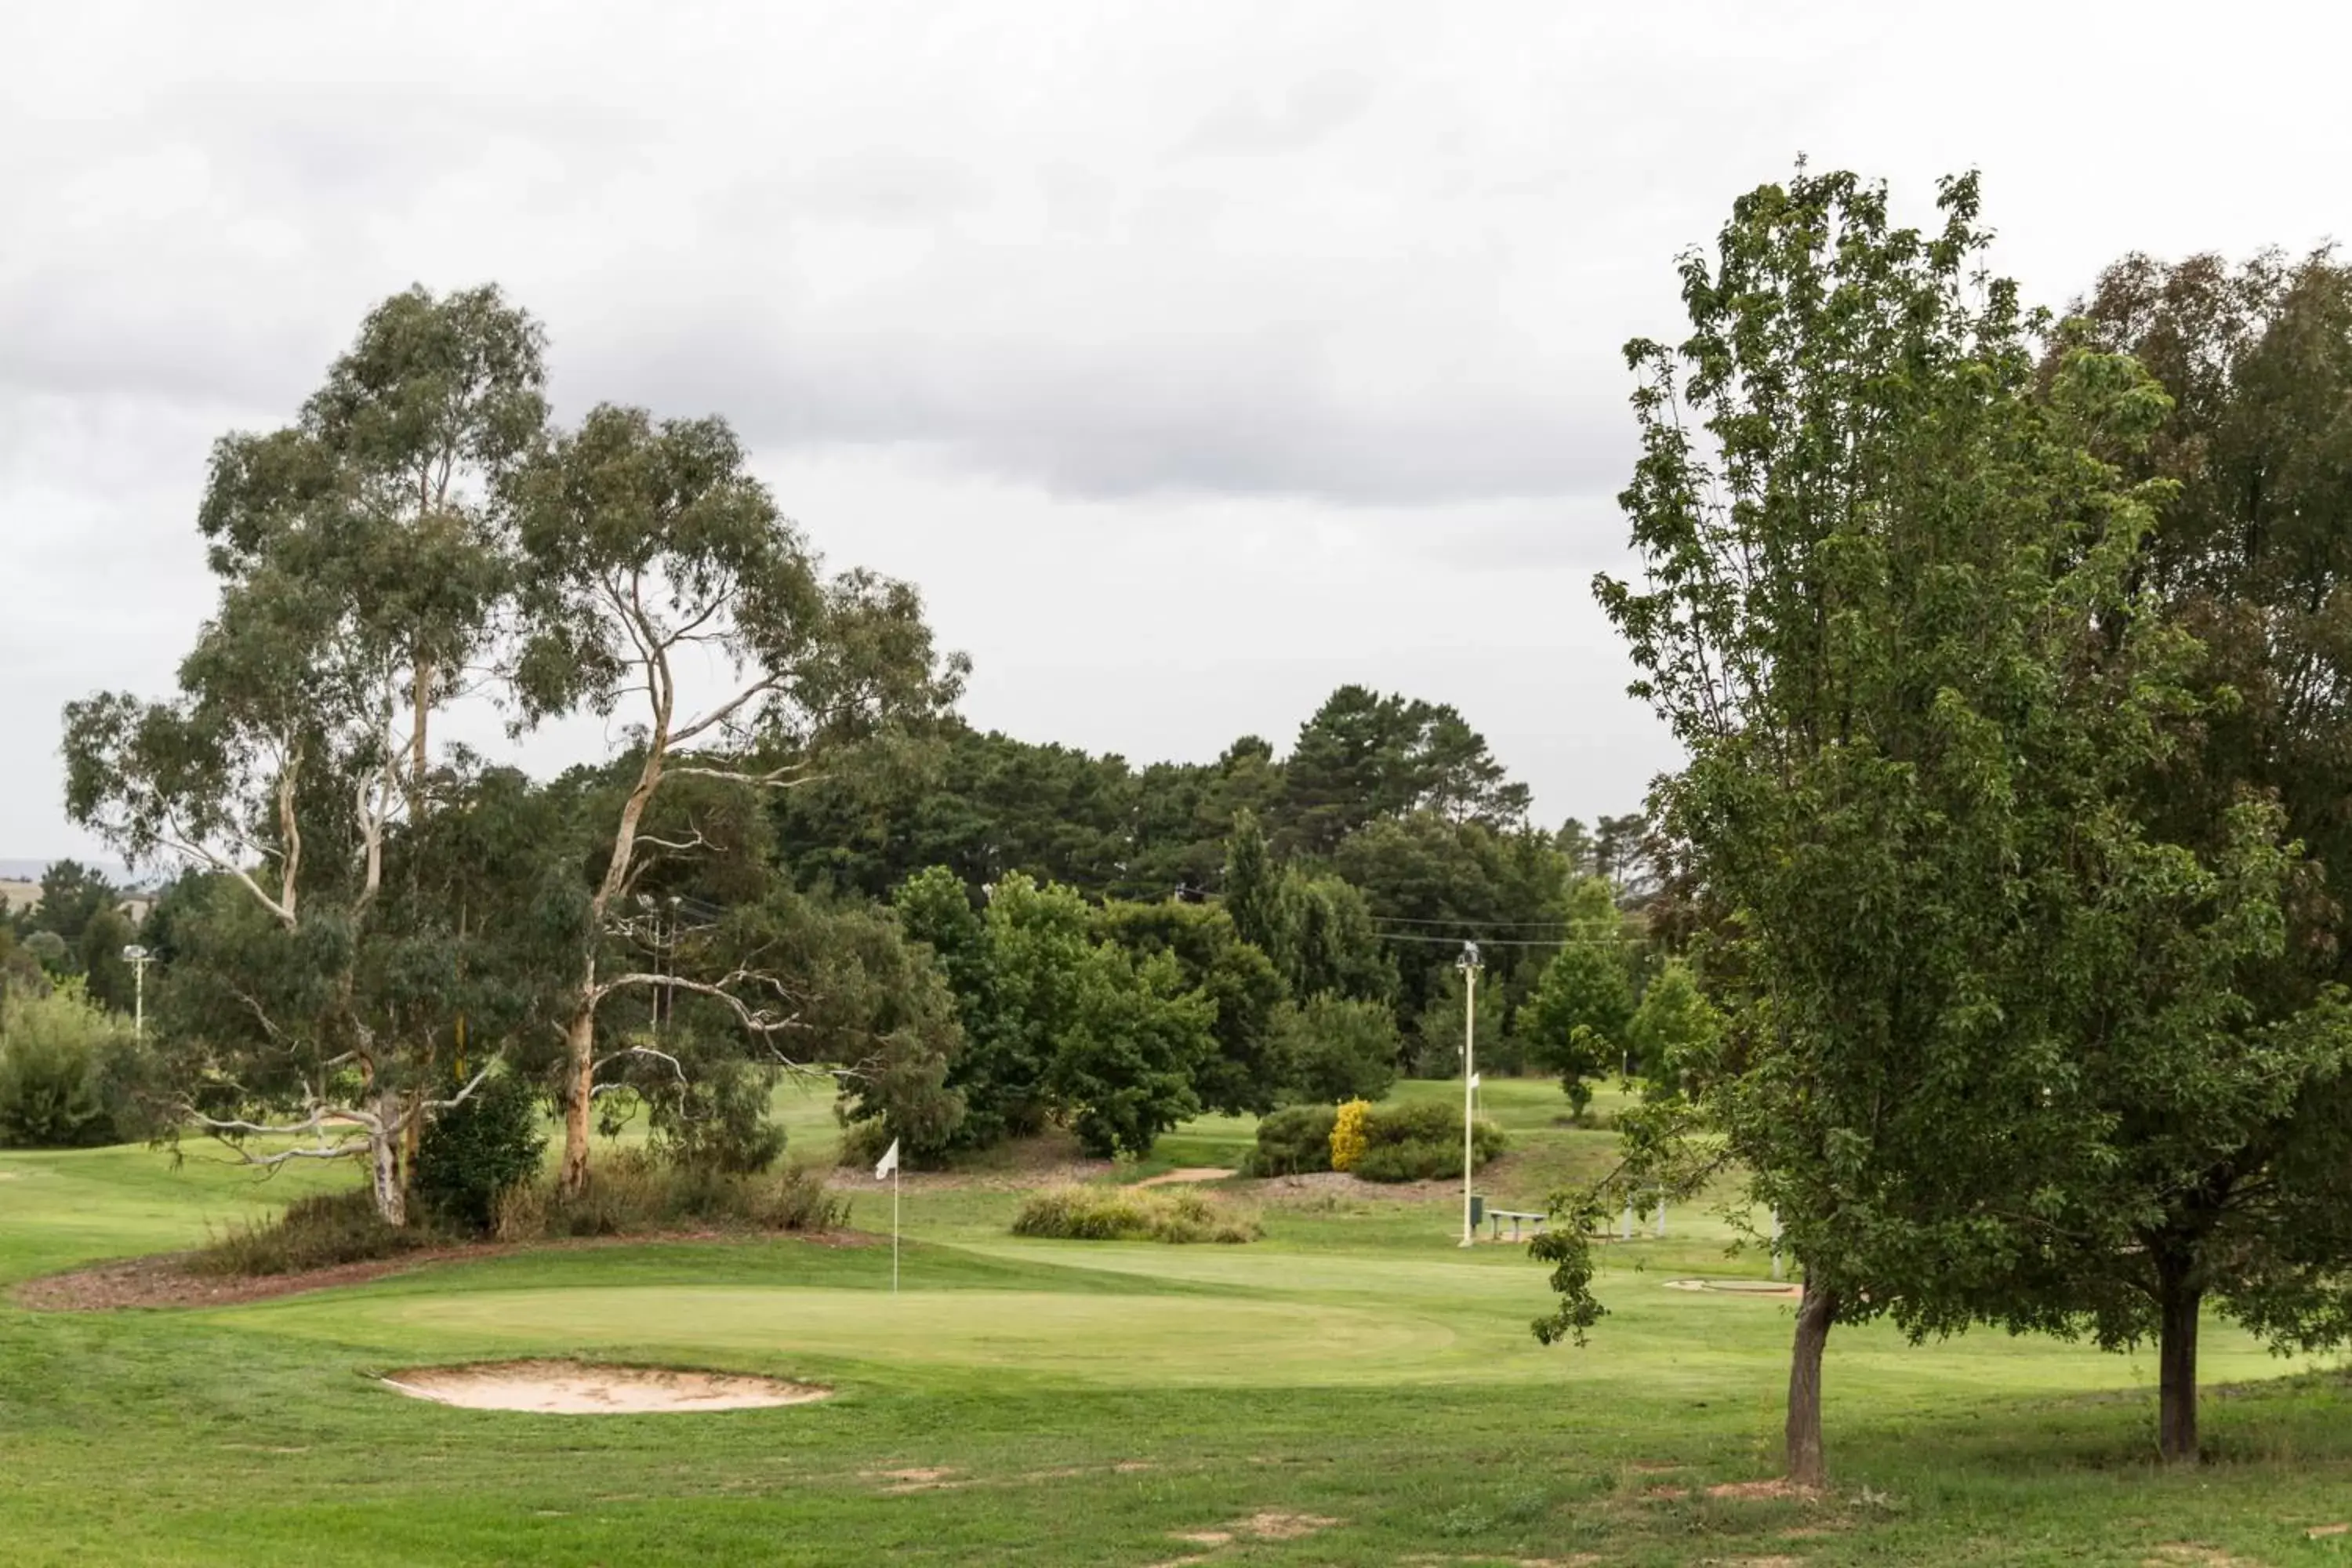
{"x":1074,"y":1213}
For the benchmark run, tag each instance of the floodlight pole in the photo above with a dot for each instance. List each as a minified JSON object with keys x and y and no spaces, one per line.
{"x":138,"y":958}
{"x":1469,"y":1079}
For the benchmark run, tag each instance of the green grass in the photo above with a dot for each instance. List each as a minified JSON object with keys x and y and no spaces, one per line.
{"x":1089,"y":1402}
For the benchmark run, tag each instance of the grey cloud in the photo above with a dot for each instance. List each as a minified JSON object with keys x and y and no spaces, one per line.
{"x":1251,"y":413}
{"x":1311,"y":109}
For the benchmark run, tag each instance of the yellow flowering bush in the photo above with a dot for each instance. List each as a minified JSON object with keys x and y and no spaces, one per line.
{"x":1348,"y":1135}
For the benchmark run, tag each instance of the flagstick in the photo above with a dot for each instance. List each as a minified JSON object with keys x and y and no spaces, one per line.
{"x":894,"y":1230}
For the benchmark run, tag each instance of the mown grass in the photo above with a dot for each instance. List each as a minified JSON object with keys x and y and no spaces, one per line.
{"x":1088,"y":1403}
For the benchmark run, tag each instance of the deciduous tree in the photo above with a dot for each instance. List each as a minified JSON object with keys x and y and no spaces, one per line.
{"x":1891,"y":609}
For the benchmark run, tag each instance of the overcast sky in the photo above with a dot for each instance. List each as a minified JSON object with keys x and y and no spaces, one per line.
{"x":1194,"y":358}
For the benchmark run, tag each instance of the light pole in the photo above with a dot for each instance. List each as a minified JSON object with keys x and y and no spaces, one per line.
{"x":136,"y":956}
{"x":670,"y":967}
{"x":1469,"y":967}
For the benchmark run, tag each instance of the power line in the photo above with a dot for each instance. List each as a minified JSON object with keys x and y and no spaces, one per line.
{"x":1483,"y":925}
{"x":1503,"y":942}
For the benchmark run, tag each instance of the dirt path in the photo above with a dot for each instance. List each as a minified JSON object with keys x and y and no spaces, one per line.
{"x":1186,"y":1176}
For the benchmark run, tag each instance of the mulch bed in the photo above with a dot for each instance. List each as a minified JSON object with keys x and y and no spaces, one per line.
{"x":163,"y":1279}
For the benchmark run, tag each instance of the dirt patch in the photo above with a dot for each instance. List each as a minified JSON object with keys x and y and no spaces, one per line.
{"x":2173,"y":1552}
{"x":1318,"y":1186}
{"x":920,"y":1479}
{"x":1781,"y":1562}
{"x":1267,"y":1524}
{"x":1664,"y":1494}
{"x":1272,"y":1526}
{"x":163,"y":1279}
{"x":1779,"y":1487}
{"x":1022,"y":1180}
{"x":578,"y":1388}
{"x":2321,"y":1532}
{"x":1186,"y":1176}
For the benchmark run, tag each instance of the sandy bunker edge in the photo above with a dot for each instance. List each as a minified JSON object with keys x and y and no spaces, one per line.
{"x":591,"y":1388}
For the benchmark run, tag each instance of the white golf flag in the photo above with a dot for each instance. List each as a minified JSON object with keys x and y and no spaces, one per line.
{"x":889,"y":1161}
{"x":1474,"y":1081}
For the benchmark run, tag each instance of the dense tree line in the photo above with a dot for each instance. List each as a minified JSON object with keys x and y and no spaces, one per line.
{"x":799,"y":859}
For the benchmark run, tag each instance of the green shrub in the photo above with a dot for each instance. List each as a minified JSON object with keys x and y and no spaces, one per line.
{"x":308,"y":1233}
{"x":66,"y":1068}
{"x":1292,"y":1142}
{"x":473,"y":1151}
{"x":1130,"y":1214}
{"x":1420,"y":1143}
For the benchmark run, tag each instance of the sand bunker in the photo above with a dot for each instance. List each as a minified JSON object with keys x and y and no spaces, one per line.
{"x":572,"y":1388}
{"x":1768,"y":1288}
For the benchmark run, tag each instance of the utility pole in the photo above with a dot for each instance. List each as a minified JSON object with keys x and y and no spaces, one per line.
{"x":1469,"y":965}
{"x":137,"y":957}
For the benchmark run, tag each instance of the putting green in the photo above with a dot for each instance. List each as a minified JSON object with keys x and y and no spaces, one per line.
{"x":1128,"y":1339}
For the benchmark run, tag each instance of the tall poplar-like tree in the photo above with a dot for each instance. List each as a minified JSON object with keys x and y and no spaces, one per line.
{"x":1890,"y":604}
{"x":660,"y":581}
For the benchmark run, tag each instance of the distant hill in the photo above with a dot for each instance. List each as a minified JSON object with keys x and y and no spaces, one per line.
{"x":20,"y":886}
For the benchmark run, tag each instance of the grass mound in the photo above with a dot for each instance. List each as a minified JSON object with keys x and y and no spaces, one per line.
{"x":1129,"y":1213}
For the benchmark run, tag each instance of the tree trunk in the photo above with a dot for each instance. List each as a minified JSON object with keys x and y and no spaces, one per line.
{"x":385,"y":1179}
{"x":580,"y":1035}
{"x":2179,"y":1297}
{"x":580,"y":1071}
{"x":411,"y":1131}
{"x":1807,"y":1467}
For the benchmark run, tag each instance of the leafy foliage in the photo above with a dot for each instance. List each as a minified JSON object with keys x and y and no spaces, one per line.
{"x":1349,"y":1139}
{"x":1057,"y":1023}
{"x":472,"y":1152}
{"x":1578,"y":1023}
{"x":1293,"y":1141}
{"x":1332,"y":1049}
{"x":1892,"y":607}
{"x":1248,"y":1072}
{"x":1422,"y":1142}
{"x":59,"y":1059}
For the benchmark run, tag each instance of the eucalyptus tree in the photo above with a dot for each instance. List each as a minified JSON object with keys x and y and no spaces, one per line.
{"x":360,"y":567}
{"x":658,"y":574}
{"x":1890,"y":605}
